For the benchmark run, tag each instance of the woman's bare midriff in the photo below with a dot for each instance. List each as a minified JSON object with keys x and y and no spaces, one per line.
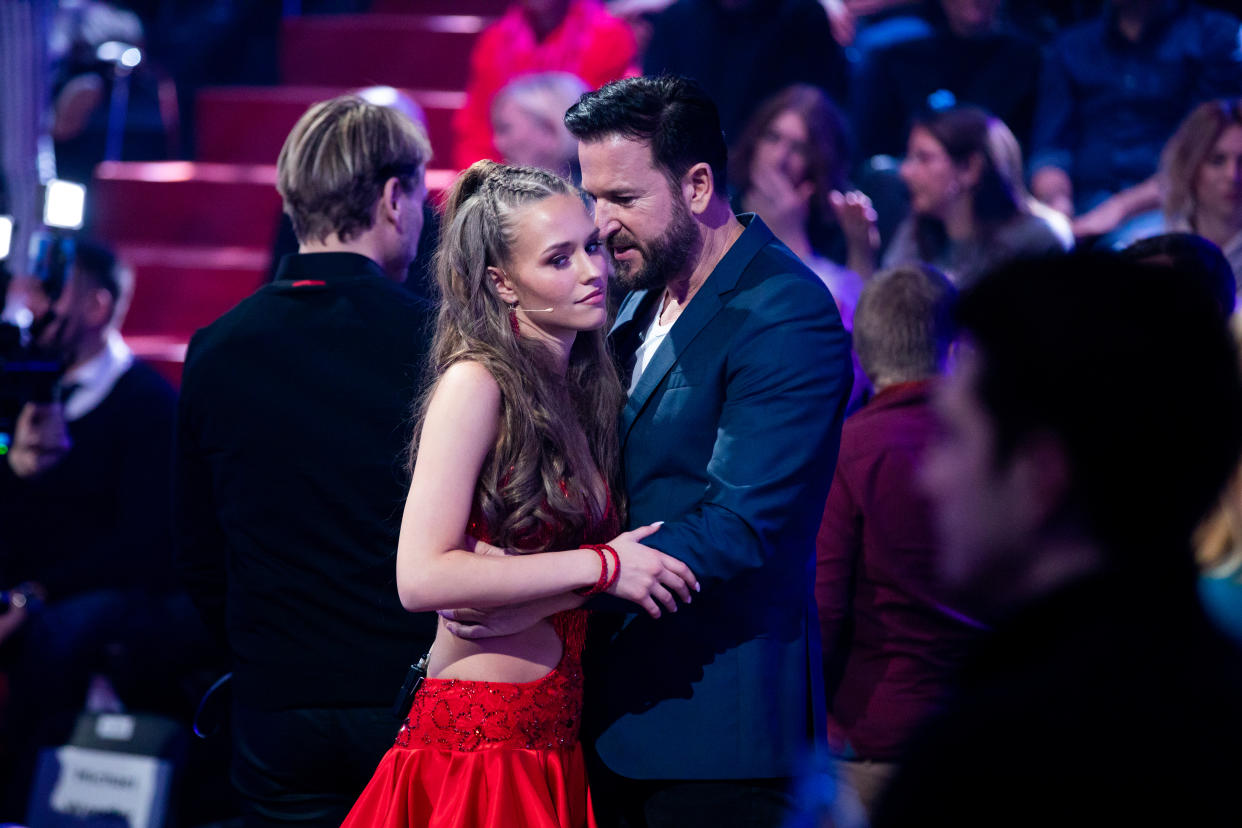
{"x":526,"y":656}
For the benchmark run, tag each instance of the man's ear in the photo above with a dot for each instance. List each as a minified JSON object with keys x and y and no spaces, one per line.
{"x":698,"y":186}
{"x":390,"y":204}
{"x":99,"y":308}
{"x":504,"y":285}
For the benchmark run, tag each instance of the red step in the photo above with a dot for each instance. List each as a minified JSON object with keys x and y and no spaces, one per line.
{"x":249,"y":124}
{"x":491,"y":8}
{"x":185,"y":203}
{"x":165,"y":354}
{"x":402,"y":50}
{"x":178,"y":290}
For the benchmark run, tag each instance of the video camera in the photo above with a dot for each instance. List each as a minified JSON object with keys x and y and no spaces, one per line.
{"x":29,"y":371}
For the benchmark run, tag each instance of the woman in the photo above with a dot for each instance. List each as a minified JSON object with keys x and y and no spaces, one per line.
{"x":791,"y":159}
{"x":1202,"y":171}
{"x":528,"y":122}
{"x":517,"y":450}
{"x":970,"y":210}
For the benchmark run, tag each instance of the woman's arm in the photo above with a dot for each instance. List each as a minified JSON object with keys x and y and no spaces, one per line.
{"x":435,"y":572}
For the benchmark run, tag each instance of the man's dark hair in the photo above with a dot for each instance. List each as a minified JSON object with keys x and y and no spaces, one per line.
{"x":670,"y":113}
{"x":903,"y":323}
{"x":1190,"y":257}
{"x":99,"y":264}
{"x":1138,"y":382}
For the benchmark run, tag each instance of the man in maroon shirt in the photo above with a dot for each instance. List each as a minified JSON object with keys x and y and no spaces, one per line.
{"x":890,"y":646}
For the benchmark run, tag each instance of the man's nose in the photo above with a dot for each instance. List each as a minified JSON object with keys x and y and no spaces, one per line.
{"x":606,"y":219}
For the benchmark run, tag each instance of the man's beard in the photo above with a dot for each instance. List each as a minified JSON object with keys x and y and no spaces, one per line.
{"x":662,"y":258}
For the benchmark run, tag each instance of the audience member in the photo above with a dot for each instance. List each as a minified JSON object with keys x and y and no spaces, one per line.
{"x":1112,"y":92}
{"x":791,"y":157}
{"x":1218,"y":548}
{"x":1193,"y":259}
{"x":576,"y":36}
{"x":866,"y":25}
{"x":970,"y":58}
{"x":528,"y":122}
{"x":1069,"y":471}
{"x":743,"y":51}
{"x":291,"y":432}
{"x":85,"y":525}
{"x":970,"y":210}
{"x":1201,"y":170}
{"x":890,"y":644}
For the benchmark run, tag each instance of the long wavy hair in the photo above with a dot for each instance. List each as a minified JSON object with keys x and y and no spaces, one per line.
{"x":1000,"y":195}
{"x":538,"y":487}
{"x":827,"y":158}
{"x":1189,"y":148}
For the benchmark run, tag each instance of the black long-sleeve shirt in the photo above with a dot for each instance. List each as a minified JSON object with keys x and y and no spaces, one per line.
{"x":293,"y":429}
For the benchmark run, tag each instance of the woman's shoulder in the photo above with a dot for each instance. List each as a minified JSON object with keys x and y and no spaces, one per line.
{"x":468,"y":375}
{"x":467,"y":386}
{"x":1030,"y":233}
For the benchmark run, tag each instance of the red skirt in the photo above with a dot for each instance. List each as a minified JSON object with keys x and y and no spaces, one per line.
{"x":493,"y":754}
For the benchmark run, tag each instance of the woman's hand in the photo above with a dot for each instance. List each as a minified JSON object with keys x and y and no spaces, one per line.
{"x":858,"y":223}
{"x":648,"y":577}
{"x":778,"y":201}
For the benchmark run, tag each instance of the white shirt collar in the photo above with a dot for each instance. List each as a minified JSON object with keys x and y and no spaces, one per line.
{"x":97,"y":376}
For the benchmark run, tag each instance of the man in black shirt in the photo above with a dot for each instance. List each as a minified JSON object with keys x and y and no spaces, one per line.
{"x":85,"y":527}
{"x":292,"y":433}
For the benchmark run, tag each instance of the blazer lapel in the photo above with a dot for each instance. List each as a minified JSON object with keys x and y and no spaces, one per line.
{"x":700,"y":310}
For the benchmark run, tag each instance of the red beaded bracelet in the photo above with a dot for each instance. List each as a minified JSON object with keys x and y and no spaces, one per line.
{"x":616,"y":566}
{"x":602,"y":583}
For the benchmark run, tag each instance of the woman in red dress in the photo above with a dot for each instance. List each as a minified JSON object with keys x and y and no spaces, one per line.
{"x":516,"y":449}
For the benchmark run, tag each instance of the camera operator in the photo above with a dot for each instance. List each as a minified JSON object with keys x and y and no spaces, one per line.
{"x":85,"y":525}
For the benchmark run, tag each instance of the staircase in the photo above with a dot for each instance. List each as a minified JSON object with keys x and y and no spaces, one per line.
{"x":198,"y":234}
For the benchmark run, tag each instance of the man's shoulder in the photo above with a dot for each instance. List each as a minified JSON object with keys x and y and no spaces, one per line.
{"x":878,"y":429}
{"x":142,"y":378}
{"x":1085,"y":34}
{"x":390,"y":310}
{"x":775,"y":272}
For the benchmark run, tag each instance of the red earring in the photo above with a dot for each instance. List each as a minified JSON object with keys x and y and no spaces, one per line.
{"x":513,"y":320}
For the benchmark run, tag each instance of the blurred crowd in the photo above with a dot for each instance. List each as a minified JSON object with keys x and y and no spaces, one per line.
{"x":902,"y":149}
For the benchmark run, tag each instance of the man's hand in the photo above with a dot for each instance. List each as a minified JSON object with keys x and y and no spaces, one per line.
{"x":40,"y":439}
{"x":1053,"y":187}
{"x":496,"y":622}
{"x":472,"y":624}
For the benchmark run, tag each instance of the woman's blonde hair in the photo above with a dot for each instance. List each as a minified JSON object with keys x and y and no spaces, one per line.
{"x":538,"y":487}
{"x":336,"y":160}
{"x":1189,"y":147}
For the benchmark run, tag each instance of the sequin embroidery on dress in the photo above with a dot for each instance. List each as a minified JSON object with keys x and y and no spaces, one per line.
{"x":478,"y":715}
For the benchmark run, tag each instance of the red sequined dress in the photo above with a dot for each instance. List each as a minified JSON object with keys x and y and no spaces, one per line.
{"x":483,"y":753}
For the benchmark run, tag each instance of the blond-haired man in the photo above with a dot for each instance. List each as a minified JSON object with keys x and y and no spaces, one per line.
{"x":291,"y":433}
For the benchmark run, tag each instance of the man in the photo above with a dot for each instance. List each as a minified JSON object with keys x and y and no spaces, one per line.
{"x":970,"y":54}
{"x":745,"y":51}
{"x":891,"y":645}
{"x":577,"y":36}
{"x":738,"y":369}
{"x":1112,"y":91}
{"x":291,"y":437}
{"x":84,"y":522}
{"x":1070,"y":470}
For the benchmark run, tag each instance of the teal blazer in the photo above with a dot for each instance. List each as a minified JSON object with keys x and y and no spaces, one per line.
{"x":731,"y":438}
